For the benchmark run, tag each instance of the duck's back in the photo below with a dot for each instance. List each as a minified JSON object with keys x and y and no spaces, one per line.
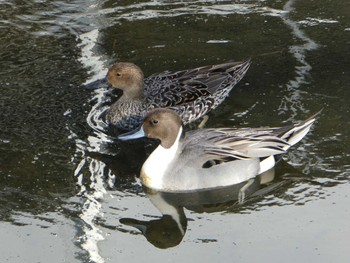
{"x":169,"y":89}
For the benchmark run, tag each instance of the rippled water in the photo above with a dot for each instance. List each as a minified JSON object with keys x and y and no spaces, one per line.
{"x":69,"y":194}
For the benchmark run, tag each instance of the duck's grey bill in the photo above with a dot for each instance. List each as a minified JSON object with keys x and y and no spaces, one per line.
{"x":97,"y":84}
{"x":135,"y":134}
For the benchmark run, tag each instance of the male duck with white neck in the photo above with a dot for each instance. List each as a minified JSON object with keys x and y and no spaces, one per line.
{"x":209,"y":158}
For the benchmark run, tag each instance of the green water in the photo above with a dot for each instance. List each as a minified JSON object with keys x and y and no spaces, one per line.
{"x":64,"y":188}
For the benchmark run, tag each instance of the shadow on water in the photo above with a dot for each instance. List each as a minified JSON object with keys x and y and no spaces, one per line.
{"x":65,"y":180}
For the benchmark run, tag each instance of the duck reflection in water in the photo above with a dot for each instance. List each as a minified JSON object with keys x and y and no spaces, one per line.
{"x":169,"y":230}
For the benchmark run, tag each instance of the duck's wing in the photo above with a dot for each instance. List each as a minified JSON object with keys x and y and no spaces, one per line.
{"x":222,"y":145}
{"x":175,"y":88}
{"x":229,"y":144}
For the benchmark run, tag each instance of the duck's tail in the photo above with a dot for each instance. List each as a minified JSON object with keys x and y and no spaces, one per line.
{"x":224,"y":77}
{"x":296,"y":132}
{"x":241,"y":67}
{"x":239,"y":70}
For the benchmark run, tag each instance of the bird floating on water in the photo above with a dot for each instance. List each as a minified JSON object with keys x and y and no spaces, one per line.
{"x":209,"y":158}
{"x":190,"y":93}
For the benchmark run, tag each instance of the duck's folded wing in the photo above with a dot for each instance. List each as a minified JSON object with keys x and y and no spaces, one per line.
{"x":246,"y":148}
{"x":173,"y":88}
{"x":222,"y":147}
{"x":174,"y":94}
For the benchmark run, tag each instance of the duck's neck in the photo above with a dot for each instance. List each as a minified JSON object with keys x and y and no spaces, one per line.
{"x":133,"y":93}
{"x":158,"y":163}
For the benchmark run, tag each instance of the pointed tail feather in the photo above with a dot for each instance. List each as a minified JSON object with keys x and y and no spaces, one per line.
{"x":298,"y":131}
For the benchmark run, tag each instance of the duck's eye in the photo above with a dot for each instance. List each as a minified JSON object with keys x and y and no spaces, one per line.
{"x":155,"y":122}
{"x":119,"y":74}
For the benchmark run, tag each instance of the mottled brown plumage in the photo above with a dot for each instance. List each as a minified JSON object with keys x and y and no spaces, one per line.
{"x":190,"y":93}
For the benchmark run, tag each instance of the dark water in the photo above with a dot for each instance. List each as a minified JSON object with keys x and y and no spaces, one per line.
{"x":67,"y":195}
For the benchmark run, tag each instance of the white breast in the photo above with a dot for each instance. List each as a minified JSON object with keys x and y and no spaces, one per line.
{"x":157,"y":164}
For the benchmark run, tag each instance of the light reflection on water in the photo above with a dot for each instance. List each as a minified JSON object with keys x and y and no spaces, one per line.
{"x":293,"y":100}
{"x":102,"y":199}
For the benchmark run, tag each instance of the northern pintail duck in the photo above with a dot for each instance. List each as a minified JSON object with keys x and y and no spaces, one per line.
{"x":209,"y":158}
{"x":190,"y":93}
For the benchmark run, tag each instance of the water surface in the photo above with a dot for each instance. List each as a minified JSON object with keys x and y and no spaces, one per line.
{"x":67,"y":194}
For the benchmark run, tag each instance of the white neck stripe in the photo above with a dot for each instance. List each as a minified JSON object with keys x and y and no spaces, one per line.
{"x":157,"y":164}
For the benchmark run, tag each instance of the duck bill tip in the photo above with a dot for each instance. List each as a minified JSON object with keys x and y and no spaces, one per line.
{"x":97,"y":84}
{"x":132,"y":135}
